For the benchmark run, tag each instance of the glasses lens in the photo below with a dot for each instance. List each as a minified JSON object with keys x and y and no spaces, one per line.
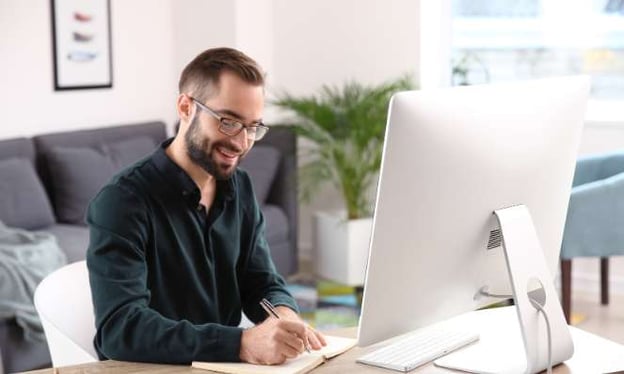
{"x":230,"y":127}
{"x":260,"y":132}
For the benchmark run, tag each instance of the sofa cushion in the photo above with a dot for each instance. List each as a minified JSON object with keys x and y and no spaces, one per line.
{"x":126,"y":152}
{"x":23,"y":201}
{"x":72,"y":239}
{"x":277,"y":227}
{"x":261,"y":164}
{"x":77,"y":175}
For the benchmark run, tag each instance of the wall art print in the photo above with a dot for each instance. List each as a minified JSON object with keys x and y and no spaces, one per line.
{"x":81,"y":40}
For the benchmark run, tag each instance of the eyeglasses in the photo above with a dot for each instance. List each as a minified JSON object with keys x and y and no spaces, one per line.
{"x":232,"y":127}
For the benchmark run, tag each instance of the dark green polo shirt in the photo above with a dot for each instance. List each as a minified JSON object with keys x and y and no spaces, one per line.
{"x":168,"y":279}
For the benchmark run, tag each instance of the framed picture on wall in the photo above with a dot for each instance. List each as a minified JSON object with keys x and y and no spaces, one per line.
{"x":81,"y":42}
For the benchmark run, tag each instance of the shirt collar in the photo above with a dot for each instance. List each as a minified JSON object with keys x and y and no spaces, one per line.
{"x":182,"y":182}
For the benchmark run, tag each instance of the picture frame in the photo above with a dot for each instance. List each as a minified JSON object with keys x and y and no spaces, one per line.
{"x":81,"y":44}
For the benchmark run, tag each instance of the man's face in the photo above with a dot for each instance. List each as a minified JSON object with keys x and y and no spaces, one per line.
{"x":217,"y":153}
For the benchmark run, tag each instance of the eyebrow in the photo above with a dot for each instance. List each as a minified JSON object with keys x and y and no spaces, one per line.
{"x":231,"y":113}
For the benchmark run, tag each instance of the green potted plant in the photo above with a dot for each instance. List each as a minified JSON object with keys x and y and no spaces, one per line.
{"x":346,"y":126}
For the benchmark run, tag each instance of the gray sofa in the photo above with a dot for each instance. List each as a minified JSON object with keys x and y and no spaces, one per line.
{"x":46,"y":182}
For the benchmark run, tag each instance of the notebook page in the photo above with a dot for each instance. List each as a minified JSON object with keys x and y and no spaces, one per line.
{"x":335,"y":346}
{"x":301,"y":364}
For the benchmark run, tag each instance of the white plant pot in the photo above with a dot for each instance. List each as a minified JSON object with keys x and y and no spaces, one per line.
{"x":341,"y":247}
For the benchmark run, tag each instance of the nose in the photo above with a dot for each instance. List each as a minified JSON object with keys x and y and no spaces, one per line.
{"x":241,"y":140}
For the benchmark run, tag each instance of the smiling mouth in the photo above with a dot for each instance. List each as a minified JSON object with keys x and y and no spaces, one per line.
{"x":227,"y":153}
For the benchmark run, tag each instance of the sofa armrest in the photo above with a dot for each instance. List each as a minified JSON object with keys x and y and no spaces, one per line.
{"x":283,"y":191}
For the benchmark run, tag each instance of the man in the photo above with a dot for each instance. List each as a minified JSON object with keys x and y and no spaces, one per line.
{"x":177,"y":244}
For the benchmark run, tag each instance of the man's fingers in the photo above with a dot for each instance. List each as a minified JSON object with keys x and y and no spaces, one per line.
{"x":320,"y":337}
{"x":316,"y":339}
{"x":292,"y":341}
{"x":294,"y":327}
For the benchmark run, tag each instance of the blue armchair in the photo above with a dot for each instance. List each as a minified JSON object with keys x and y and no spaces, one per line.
{"x":595,"y":221}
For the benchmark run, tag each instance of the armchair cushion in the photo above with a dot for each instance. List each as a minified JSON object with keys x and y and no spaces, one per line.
{"x":598,"y":167}
{"x":23,"y":201}
{"x":595,"y":215}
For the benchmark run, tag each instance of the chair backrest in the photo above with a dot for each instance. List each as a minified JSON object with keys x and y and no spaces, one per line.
{"x":63,"y":301}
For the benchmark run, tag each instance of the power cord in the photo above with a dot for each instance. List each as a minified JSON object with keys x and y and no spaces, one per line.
{"x":541,"y":309}
{"x":483,"y":291}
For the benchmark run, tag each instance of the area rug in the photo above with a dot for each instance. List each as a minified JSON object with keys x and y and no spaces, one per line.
{"x":327,"y":305}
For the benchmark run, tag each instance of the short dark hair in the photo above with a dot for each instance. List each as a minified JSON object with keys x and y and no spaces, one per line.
{"x":203,"y":72}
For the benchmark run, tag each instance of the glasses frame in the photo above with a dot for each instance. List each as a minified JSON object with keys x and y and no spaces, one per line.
{"x":258,"y":132}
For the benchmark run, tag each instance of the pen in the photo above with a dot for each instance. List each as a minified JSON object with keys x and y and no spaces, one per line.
{"x":270,"y":309}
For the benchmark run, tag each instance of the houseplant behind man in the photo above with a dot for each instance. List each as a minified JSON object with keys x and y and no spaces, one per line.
{"x":346,"y":127}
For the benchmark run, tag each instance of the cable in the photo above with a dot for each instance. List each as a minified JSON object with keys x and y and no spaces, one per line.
{"x":483,"y":291}
{"x":495,"y":295}
{"x":539,"y":308}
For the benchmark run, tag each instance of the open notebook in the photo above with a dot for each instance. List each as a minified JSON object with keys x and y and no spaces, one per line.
{"x":302,"y":364}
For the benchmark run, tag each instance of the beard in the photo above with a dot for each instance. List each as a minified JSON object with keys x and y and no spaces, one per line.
{"x":201,"y":149}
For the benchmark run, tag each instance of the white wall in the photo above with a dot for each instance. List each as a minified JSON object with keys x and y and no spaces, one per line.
{"x":199,"y":25}
{"x":329,"y":42}
{"x":143,"y":80}
{"x":255,"y":32}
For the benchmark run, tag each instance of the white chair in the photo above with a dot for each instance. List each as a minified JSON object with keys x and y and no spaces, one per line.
{"x":63,"y":301}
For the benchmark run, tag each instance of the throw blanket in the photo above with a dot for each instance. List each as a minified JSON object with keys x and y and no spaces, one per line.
{"x":25,"y":259}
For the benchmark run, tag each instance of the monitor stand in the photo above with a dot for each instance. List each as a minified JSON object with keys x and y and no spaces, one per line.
{"x":501,"y":351}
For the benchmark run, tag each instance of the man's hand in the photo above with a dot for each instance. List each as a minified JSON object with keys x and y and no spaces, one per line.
{"x":275,"y":340}
{"x":272,"y":341}
{"x":313,"y":337}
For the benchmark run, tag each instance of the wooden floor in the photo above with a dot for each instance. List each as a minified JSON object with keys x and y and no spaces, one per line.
{"x":606,"y":321}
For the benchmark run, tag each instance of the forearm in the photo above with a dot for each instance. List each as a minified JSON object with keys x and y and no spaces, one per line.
{"x":261,"y":280}
{"x":270,"y":288}
{"x":142,"y":334}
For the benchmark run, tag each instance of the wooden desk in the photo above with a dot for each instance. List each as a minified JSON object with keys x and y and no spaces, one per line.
{"x":593,"y":354}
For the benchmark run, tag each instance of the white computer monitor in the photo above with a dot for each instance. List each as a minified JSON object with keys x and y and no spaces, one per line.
{"x":451,"y":158}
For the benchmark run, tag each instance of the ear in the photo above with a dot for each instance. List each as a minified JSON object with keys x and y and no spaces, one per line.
{"x":184,"y":107}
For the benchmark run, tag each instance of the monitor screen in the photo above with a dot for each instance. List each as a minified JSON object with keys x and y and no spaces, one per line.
{"x":451,"y":157}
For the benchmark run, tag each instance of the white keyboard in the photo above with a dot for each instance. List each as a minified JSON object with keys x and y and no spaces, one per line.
{"x":418,"y":348}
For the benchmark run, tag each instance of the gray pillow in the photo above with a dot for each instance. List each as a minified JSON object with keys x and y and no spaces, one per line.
{"x":77,"y":175}
{"x":23,"y":200}
{"x":261,"y":163}
{"x":127,"y":152}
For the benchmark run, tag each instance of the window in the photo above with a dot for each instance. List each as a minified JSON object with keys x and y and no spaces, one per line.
{"x":506,"y":40}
